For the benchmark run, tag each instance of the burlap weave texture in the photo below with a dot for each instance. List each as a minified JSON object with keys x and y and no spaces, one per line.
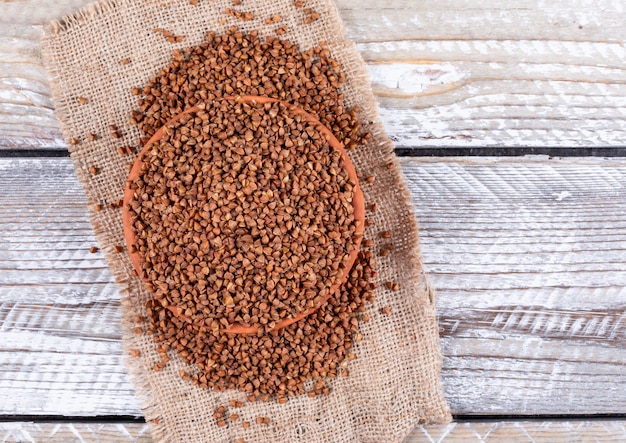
{"x":394,"y":381}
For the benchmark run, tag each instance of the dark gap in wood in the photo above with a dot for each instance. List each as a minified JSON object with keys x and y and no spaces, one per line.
{"x":33,"y":153}
{"x":537,"y":417}
{"x":402,"y":151}
{"x":456,"y":418}
{"x":72,"y":419}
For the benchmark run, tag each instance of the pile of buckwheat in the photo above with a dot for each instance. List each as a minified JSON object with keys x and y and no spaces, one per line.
{"x":243,"y":214}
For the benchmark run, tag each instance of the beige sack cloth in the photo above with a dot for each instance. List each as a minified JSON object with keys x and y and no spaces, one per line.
{"x":394,"y":382}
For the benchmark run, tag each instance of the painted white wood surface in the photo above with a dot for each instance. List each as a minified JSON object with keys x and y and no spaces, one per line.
{"x":446,"y":73}
{"x":464,"y":432}
{"x":527,"y":255}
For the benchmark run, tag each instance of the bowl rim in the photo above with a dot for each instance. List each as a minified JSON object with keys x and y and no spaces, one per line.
{"x":357,"y":203}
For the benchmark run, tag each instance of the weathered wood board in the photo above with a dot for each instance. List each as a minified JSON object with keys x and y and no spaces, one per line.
{"x":527,"y":255}
{"x":463,"y":432}
{"x":446,"y":73}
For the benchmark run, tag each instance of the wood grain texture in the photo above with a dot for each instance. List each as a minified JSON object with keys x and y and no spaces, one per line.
{"x":59,"y":306}
{"x":461,"y":432}
{"x":28,"y":432}
{"x":446,"y":73}
{"x":521,"y":432}
{"x":527,"y":256}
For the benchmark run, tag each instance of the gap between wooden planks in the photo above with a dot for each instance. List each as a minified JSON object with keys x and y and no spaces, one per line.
{"x":453,"y":73}
{"x":527,"y":256}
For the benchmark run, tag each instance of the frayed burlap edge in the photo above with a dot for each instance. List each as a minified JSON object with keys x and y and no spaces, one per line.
{"x":380,"y":152}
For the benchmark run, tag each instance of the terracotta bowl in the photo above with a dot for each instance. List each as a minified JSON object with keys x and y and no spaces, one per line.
{"x":357,"y":202}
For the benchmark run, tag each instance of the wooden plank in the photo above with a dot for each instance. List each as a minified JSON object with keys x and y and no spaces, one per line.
{"x":527,"y":256}
{"x":521,"y":432}
{"x":18,"y":432}
{"x":459,"y":432}
{"x":446,"y":73}
{"x":59,"y":306}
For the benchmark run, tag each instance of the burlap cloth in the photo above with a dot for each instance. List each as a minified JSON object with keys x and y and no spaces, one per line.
{"x":394,"y":381}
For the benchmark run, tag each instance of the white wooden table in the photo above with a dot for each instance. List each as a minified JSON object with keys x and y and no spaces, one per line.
{"x":528,"y":253}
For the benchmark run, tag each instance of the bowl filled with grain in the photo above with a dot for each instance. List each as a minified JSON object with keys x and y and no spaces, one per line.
{"x":243,"y":215}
